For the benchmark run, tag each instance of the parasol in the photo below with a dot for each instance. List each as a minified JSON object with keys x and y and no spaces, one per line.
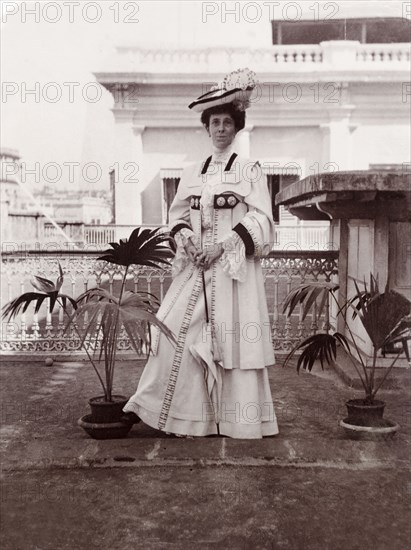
{"x":210,"y":359}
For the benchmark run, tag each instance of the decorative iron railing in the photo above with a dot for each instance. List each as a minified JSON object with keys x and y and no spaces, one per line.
{"x":43,"y":333}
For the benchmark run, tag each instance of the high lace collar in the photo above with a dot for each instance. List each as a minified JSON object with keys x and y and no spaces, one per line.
{"x":222,"y":156}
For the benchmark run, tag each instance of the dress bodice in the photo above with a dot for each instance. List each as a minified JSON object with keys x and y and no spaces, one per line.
{"x":214,"y":170}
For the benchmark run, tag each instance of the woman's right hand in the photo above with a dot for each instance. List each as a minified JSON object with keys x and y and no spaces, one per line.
{"x":191,"y":251}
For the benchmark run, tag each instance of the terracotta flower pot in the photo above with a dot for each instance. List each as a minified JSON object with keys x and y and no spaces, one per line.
{"x":104,"y":412}
{"x":366,"y":421}
{"x":361,"y":413}
{"x":104,"y":422}
{"x":386,"y":430}
{"x":100,"y":430}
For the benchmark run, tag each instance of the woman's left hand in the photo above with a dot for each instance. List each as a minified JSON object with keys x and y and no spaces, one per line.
{"x":205,"y":258}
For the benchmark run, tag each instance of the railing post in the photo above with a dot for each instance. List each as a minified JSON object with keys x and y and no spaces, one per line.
{"x":340,"y":54}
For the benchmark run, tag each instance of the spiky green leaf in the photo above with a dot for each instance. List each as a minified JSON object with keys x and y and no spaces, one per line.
{"x":42,"y":284}
{"x":144,"y":247}
{"x":21,"y":303}
{"x":306,"y":295}
{"x":318,"y":347}
{"x":382,"y":314}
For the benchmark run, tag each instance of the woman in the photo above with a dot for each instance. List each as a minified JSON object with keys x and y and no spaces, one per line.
{"x":215,"y":380}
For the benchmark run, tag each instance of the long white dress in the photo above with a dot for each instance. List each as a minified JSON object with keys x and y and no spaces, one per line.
{"x":176,"y":393}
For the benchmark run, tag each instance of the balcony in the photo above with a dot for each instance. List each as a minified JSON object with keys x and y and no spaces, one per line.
{"x":43,"y":333}
{"x":329,"y":56}
{"x":27,"y":232}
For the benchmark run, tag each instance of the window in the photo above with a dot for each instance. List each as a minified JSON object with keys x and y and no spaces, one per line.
{"x":273,"y":181}
{"x":112,"y":174}
{"x":381,"y":30}
{"x":389,"y":167}
{"x":170,"y":186}
{"x":277,"y":182}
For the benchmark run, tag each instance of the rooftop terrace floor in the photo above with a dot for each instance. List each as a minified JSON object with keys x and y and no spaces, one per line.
{"x":308,"y":487}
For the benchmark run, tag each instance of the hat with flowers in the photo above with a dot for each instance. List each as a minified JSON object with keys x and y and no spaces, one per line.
{"x":236,"y":88}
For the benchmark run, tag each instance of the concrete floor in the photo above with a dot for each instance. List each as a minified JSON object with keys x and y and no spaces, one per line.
{"x":310,"y":487}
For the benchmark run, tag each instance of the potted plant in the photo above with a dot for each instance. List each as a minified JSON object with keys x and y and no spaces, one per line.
{"x":384,"y":317}
{"x":100,"y":318}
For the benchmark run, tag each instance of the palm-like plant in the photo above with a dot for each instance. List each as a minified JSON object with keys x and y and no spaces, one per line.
{"x":100,"y":317}
{"x":383,"y":316}
{"x":133,"y":312}
{"x":47,"y":291}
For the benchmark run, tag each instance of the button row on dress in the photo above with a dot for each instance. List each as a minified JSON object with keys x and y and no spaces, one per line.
{"x":225,"y":201}
{"x":195,"y":202}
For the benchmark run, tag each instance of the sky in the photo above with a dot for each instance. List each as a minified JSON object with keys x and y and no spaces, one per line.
{"x":47,"y":45}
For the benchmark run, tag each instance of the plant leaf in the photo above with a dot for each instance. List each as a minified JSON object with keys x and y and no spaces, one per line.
{"x":382,"y":313}
{"x":42,"y":284}
{"x":402,"y":331}
{"x":318,"y":347}
{"x":144,"y":247}
{"x":22,"y":302}
{"x":306,"y":294}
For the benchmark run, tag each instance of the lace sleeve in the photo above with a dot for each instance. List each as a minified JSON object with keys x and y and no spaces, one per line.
{"x":257,"y":228}
{"x":233,"y":258}
{"x":181,"y":259}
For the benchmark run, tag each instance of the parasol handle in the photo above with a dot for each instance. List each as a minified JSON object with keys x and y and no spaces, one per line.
{"x":205,"y":296}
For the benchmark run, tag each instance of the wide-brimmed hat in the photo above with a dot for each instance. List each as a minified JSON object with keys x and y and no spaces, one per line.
{"x":236,"y":88}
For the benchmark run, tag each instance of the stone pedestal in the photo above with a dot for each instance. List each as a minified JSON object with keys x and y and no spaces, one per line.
{"x":370,"y":215}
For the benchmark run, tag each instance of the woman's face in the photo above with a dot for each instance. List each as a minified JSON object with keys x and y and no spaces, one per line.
{"x":222,"y":130}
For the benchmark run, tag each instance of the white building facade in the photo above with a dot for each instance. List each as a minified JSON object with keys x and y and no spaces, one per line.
{"x":337,"y":105}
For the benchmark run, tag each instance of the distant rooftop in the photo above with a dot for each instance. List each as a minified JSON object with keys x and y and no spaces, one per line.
{"x":368,"y":30}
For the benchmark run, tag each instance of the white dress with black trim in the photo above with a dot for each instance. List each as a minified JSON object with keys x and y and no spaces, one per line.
{"x":172,"y":393}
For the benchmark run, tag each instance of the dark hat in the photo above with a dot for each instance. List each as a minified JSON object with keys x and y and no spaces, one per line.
{"x":236,"y":88}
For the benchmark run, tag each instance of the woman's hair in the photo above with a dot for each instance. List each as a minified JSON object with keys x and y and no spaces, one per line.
{"x":226,"y":108}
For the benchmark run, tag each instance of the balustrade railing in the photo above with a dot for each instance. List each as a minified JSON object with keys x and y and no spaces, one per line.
{"x":383,"y":53}
{"x":284,"y":56}
{"x":42,"y":333}
{"x":300,"y":237}
{"x":104,"y":234}
{"x":201,"y":58}
{"x":310,"y":53}
{"x":74,"y":232}
{"x":297,"y":237}
{"x":88,"y":238}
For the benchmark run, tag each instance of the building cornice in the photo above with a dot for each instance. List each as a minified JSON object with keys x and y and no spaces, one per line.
{"x":157,"y":92}
{"x":394,"y":75}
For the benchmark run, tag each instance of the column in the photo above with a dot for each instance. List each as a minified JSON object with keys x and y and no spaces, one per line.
{"x":382,"y":249}
{"x":243,"y":142}
{"x":138,"y":131}
{"x":128,"y":169}
{"x":5,"y":234}
{"x":337,"y":147}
